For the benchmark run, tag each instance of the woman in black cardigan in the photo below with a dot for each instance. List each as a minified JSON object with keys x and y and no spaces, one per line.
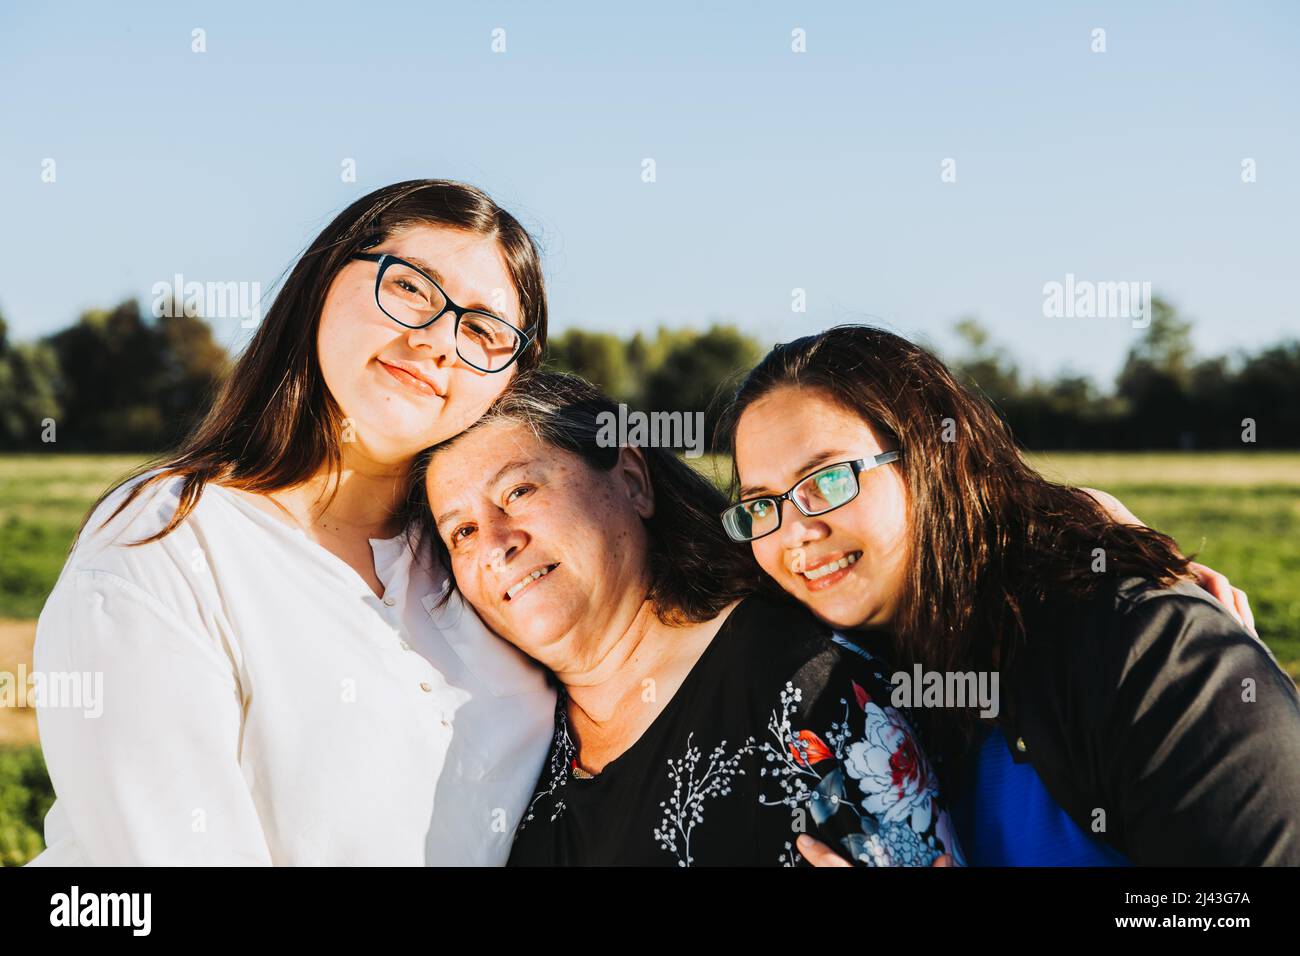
{"x":1134,"y":720}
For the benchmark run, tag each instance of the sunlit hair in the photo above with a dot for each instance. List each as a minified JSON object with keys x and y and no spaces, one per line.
{"x":994,"y":548}
{"x":273,"y":424}
{"x":695,"y":570}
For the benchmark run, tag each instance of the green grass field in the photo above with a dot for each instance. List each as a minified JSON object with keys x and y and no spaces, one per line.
{"x":1239,"y":513}
{"x":42,"y":501}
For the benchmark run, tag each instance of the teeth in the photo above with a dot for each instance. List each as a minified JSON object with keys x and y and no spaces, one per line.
{"x":826,"y":569}
{"x":515,"y":589}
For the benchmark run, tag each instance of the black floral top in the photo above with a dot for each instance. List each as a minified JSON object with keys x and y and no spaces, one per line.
{"x":780,"y":728}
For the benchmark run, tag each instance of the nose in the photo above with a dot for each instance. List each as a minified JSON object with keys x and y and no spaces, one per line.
{"x":502,"y":544}
{"x":437,"y":341}
{"x":797,"y":529}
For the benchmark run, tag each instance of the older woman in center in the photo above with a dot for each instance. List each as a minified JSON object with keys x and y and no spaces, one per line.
{"x":703,"y":719}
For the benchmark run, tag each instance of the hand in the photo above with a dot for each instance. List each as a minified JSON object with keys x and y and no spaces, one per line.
{"x":819,"y":854}
{"x":1234,"y":599}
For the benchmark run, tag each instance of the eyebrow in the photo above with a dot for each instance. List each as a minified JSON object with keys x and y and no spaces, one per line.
{"x":438,"y":278}
{"x":755,"y":491}
{"x":505,"y":469}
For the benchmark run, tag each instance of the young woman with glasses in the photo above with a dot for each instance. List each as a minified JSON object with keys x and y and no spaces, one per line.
{"x":1138,"y":720}
{"x":279,"y":682}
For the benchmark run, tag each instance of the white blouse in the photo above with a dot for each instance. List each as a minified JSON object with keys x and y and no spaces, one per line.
{"x":260,"y":705}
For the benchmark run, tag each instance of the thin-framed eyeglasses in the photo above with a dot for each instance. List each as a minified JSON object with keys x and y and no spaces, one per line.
{"x":827,"y":488}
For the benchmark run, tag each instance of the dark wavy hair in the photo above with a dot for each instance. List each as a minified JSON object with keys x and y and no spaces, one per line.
{"x":695,"y":569}
{"x":274,"y":424}
{"x":994,"y":545}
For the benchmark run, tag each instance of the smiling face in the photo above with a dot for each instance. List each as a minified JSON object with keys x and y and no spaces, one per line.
{"x":550,"y":551}
{"x":401,"y":389}
{"x":781,"y":438}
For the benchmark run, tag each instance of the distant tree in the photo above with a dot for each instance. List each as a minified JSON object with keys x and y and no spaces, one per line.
{"x":598,"y":357}
{"x":638,"y":358}
{"x":646,"y":356}
{"x":129,"y":384}
{"x":1164,"y":352}
{"x":193,"y":365}
{"x":1156,"y":379}
{"x":673,"y":370}
{"x":28,"y":376}
{"x":108,"y":364}
{"x":1067,"y":413}
{"x":981,"y":364}
{"x":1267,"y":389}
{"x":1211,"y":396}
{"x":696,"y":372}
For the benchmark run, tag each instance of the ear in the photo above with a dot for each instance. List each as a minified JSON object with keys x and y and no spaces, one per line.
{"x":633,"y":474}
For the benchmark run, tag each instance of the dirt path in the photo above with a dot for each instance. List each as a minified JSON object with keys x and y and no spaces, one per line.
{"x":17,"y":726}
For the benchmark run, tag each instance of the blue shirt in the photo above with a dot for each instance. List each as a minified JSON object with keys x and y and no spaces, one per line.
{"x":1005,"y":817}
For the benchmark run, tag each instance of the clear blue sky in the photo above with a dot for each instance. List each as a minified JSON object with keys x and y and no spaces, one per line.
{"x":775,"y":170}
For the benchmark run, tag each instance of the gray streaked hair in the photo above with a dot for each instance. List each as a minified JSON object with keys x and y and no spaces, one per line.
{"x":695,"y":569}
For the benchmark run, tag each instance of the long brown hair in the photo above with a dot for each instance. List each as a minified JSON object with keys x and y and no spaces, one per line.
{"x":273,"y":423}
{"x":993,"y":544}
{"x":695,"y":569}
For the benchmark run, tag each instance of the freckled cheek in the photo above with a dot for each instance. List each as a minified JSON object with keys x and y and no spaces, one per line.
{"x":601,"y":531}
{"x":466,"y":581}
{"x":585,"y":536}
{"x":625,"y":543}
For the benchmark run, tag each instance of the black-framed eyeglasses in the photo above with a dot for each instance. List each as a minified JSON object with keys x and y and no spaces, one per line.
{"x":411,"y":298}
{"x":826,"y":489}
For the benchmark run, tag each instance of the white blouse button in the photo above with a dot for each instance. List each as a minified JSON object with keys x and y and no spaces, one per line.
{"x":405,"y":646}
{"x":426,"y":686}
{"x":390,"y":601}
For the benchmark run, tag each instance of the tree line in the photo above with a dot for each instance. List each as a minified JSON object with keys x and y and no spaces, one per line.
{"x":1165,"y":396}
{"x":116,"y":380}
